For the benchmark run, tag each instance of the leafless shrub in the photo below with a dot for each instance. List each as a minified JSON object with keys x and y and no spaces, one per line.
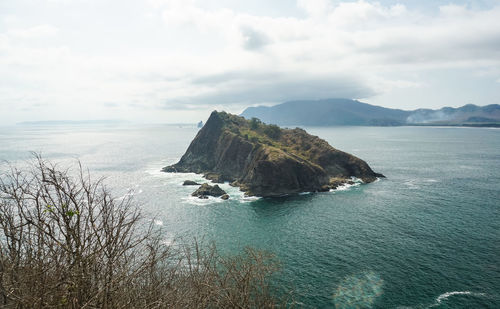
{"x":67,"y":243}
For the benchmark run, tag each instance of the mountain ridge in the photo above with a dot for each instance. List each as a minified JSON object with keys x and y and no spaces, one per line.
{"x":353,"y":112}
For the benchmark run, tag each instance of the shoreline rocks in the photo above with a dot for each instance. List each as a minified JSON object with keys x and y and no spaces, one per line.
{"x":190,"y":183}
{"x":206,"y":190}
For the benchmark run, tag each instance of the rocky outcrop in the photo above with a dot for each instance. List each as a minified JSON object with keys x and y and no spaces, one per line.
{"x":190,"y":183}
{"x":207,"y":190}
{"x":265,"y":160}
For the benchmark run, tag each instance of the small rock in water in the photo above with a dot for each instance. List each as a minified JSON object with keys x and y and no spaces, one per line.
{"x":208,"y":190}
{"x":225,"y":197}
{"x":190,"y":183}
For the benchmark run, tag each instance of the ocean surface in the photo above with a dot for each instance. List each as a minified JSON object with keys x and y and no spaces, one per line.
{"x":427,"y":236}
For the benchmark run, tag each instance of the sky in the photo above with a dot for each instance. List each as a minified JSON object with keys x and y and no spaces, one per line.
{"x":174,"y":61}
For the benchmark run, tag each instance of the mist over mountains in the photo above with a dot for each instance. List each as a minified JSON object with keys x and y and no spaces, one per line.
{"x":337,"y":112}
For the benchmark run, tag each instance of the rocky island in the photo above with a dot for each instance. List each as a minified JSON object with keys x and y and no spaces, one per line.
{"x":266,"y":160}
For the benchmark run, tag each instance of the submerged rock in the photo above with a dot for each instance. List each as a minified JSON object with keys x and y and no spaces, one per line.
{"x":190,"y":183}
{"x":207,"y":190}
{"x":265,"y":160}
{"x":225,"y":197}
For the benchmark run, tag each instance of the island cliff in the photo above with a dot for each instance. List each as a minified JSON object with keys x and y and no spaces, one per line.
{"x":265,"y":160}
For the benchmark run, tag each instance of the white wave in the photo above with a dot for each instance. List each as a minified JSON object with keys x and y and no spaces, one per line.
{"x":155,"y":171}
{"x":155,"y":168}
{"x":248,"y":199}
{"x":178,"y":178}
{"x":446,"y":295}
{"x":411,"y":184}
{"x":357,"y":180}
{"x":194,"y":200}
{"x":347,"y":186}
{"x":467,"y":167}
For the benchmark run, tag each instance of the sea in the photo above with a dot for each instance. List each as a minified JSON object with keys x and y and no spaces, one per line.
{"x":427,"y":236}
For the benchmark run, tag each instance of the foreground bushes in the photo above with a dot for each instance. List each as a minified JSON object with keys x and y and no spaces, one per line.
{"x":67,"y":243}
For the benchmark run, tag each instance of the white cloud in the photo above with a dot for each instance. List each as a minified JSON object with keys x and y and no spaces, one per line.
{"x":315,"y":8}
{"x":185,"y":54}
{"x":453,"y":11}
{"x":39,"y":31}
{"x":186,"y":13}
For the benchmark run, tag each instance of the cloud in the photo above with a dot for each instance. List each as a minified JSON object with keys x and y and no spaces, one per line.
{"x":253,"y":39}
{"x":39,"y":31}
{"x":351,"y":39}
{"x":374,"y":34}
{"x":193,"y":55}
{"x":186,"y":13}
{"x":315,"y":8}
{"x":252,"y":87}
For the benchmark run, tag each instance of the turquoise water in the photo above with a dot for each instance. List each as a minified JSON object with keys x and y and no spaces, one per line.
{"x":428,"y":236}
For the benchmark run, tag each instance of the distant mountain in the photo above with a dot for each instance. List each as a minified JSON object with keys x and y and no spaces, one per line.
{"x":467,"y":114}
{"x":333,"y":112}
{"x":70,"y":122}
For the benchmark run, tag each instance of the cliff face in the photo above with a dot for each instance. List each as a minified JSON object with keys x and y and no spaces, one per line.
{"x":264,"y":160}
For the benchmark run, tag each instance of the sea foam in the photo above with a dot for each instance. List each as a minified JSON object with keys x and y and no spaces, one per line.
{"x":446,"y":295}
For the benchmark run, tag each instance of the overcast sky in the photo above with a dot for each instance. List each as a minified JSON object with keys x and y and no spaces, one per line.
{"x":177,"y":60}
